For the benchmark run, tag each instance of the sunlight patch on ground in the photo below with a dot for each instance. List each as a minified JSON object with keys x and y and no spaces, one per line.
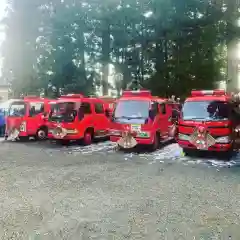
{"x":171,"y":152}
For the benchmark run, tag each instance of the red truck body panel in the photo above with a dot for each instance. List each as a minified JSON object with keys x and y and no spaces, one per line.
{"x":29,"y":116}
{"x":90,"y":120}
{"x":131,"y":118}
{"x":209,"y":126}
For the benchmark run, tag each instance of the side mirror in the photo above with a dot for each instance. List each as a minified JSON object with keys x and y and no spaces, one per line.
{"x":45,"y":116}
{"x":152,"y":114}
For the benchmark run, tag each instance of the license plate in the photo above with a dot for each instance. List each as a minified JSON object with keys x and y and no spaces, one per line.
{"x":136,"y":127}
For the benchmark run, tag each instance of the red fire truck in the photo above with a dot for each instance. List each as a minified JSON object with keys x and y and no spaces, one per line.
{"x":75,"y":117}
{"x":140,"y":118}
{"x":208,"y":122}
{"x":28,"y":118}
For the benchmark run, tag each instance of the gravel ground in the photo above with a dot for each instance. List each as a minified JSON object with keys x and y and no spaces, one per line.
{"x":74,"y":193}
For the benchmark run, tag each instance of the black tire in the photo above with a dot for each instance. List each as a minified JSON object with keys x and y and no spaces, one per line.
{"x":227,"y":155}
{"x":156,"y":142}
{"x":187,"y":152}
{"x":41,"y":134}
{"x":88,"y":138}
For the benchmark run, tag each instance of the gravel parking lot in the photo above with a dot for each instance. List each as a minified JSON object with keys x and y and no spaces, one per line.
{"x":52,"y":192}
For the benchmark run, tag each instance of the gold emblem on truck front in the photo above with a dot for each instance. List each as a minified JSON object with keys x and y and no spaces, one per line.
{"x":202,"y":139}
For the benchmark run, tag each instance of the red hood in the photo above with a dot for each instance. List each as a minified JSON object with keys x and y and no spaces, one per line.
{"x":204,"y":123}
{"x":214,"y":127}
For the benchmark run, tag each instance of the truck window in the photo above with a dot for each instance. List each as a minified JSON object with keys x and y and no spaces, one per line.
{"x":163,"y":108}
{"x":132,"y":109}
{"x":17,"y":109}
{"x":86,"y":107}
{"x":99,"y":108}
{"x":206,"y":110}
{"x":63,"y":112}
{"x":35,"y":109}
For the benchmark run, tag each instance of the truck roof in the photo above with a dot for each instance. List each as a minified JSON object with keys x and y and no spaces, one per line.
{"x":208,"y":98}
{"x":32,"y":100}
{"x":88,"y":99}
{"x":209,"y":95}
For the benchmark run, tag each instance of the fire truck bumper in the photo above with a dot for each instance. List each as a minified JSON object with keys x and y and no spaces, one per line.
{"x":218,"y":147}
{"x":141,"y":141}
{"x":67,"y":137}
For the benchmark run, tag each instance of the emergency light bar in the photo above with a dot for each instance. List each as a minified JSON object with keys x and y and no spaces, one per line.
{"x":72,"y":96}
{"x":197,"y":93}
{"x":137,"y":93}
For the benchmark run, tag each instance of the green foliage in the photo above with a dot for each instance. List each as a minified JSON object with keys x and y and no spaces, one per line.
{"x":171,"y":51}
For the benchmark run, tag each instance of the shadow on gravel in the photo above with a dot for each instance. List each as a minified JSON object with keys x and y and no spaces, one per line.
{"x":213,"y":159}
{"x":53,"y":144}
{"x":167,"y":152}
{"x":145,"y":148}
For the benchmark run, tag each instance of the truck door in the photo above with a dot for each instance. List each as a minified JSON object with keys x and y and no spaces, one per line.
{"x":102,"y":121}
{"x":164,"y":119}
{"x":16,"y":115}
{"x":86,"y":116}
{"x":35,"y":117}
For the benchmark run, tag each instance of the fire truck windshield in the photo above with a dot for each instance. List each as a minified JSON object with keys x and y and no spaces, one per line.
{"x":132,"y":109}
{"x":206,"y":110}
{"x":63,"y":112}
{"x":17,"y":109}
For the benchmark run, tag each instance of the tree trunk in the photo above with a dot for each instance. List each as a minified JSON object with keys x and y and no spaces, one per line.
{"x":231,"y":43}
{"x":82,"y":54}
{"x":105,"y":55}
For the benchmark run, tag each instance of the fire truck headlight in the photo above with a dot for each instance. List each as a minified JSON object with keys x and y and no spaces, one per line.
{"x":183,"y":137}
{"x":115,"y":133}
{"x":225,"y":139}
{"x":22,"y":127}
{"x":72,"y":131}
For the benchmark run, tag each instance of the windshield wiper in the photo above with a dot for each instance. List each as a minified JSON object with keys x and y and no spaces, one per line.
{"x":122,"y":117}
{"x":129,"y":118}
{"x":197,"y":118}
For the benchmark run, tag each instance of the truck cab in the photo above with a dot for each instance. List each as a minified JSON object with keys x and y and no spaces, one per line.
{"x":76,"y":117}
{"x":109,"y":103}
{"x":140,"y":118}
{"x":207,"y":122}
{"x":27,"y":118}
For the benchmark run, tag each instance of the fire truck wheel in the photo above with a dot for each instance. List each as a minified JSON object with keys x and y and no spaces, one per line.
{"x":227,"y":155}
{"x":41,"y":134}
{"x":156,"y":142}
{"x":187,"y":151}
{"x":88,"y":137}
